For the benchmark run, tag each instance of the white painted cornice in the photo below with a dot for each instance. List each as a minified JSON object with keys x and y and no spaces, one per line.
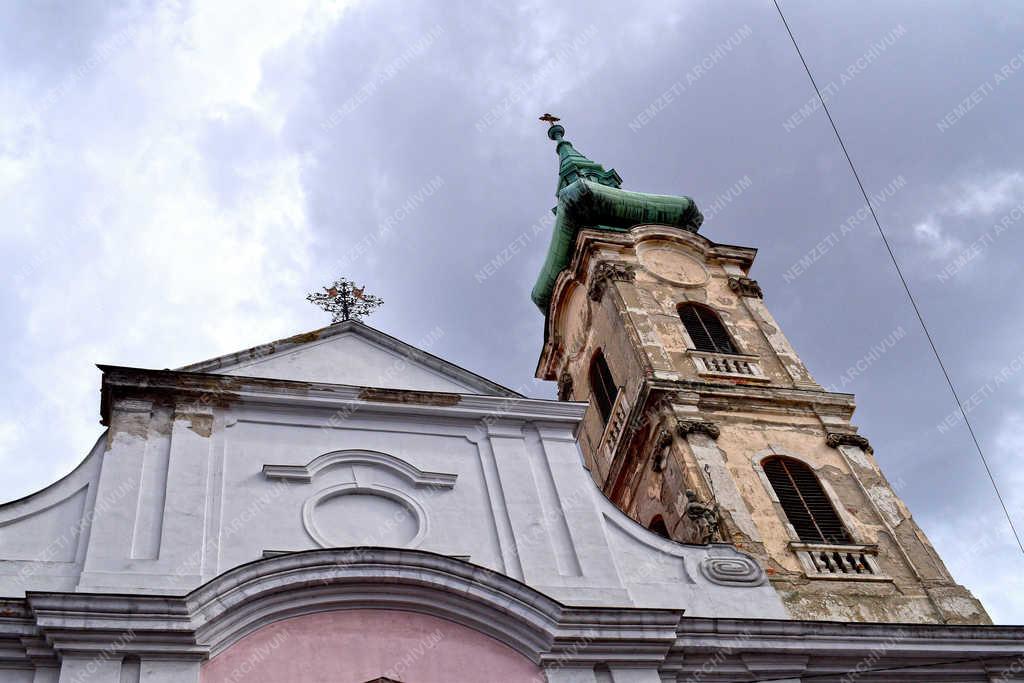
{"x":225,"y":390}
{"x":240,"y":601}
{"x":219,"y":613}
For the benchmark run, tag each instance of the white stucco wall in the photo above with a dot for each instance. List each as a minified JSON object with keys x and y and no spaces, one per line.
{"x":181,"y":490}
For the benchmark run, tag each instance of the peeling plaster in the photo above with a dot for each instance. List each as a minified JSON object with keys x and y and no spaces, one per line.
{"x":645,"y":345}
{"x":886,"y":503}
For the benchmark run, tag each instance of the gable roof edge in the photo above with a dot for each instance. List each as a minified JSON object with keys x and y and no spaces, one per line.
{"x":289,"y":344}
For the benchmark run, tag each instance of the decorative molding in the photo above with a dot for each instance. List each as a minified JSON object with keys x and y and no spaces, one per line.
{"x":187,"y":408}
{"x":605,"y":272}
{"x":745,"y":286}
{"x":685,"y":427}
{"x":660,"y":459}
{"x":410,"y":505}
{"x":837,"y":439}
{"x":704,"y":516}
{"x":735,"y":570}
{"x":305,"y":473}
{"x":271,"y":393}
{"x":564,"y":386}
{"x":133,"y":405}
{"x":219,"y":613}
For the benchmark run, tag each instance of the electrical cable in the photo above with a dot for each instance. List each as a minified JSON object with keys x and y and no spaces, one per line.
{"x":906,"y":287}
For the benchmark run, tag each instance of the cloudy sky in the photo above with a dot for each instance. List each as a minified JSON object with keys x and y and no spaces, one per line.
{"x":175,"y":177}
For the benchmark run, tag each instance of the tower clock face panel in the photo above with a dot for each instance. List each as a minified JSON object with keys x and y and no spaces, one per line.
{"x":576,"y":322}
{"x":670,"y":263}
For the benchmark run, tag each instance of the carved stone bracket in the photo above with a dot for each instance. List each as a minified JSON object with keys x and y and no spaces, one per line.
{"x":837,"y":439}
{"x":684,"y":427}
{"x":745,"y":286}
{"x":660,"y":459}
{"x":606,"y":272}
{"x":704,"y":516}
{"x":564,"y":386}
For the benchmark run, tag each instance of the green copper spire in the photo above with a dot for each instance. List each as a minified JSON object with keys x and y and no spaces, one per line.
{"x":591,"y":197}
{"x":573,"y":166}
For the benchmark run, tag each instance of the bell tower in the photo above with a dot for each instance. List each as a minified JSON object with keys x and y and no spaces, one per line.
{"x":704,"y":425}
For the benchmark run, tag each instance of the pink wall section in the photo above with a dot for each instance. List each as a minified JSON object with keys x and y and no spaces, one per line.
{"x":353,"y":646}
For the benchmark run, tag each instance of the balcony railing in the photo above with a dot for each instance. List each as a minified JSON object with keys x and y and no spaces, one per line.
{"x":616,"y":425}
{"x":727,"y":365}
{"x":847,"y":562}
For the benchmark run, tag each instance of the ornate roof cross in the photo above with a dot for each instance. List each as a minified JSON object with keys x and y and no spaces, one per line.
{"x":345,"y":301}
{"x":549,"y":119}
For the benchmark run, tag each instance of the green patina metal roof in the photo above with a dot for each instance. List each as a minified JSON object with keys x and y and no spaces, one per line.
{"x":591,"y":197}
{"x":573,"y":166}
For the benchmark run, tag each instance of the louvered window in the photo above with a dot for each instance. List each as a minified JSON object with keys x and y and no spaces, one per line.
{"x":706,"y":329}
{"x":803,"y":499}
{"x":602,"y":385}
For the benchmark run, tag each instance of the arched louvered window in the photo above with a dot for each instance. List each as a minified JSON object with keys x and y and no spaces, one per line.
{"x":803,"y":499}
{"x":657,"y":525}
{"x":706,"y":329}
{"x":602,"y":385}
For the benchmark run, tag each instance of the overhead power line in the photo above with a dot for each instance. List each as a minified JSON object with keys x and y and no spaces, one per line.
{"x":906,"y":287}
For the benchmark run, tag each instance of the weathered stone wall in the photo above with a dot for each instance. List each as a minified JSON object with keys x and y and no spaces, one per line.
{"x":641,"y":278}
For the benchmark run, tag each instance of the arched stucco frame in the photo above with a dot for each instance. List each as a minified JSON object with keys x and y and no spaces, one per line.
{"x":412,"y":475}
{"x":844,"y":515}
{"x":306,"y":473}
{"x":239,"y":602}
{"x":217,"y":615}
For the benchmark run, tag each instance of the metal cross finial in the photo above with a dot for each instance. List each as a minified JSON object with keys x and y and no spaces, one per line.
{"x":345,"y":301}
{"x":550,"y":119}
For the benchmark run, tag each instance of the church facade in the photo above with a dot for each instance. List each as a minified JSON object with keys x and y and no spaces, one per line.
{"x":342,"y":506}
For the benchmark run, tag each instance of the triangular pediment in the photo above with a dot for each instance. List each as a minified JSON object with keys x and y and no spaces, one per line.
{"x":354,"y":354}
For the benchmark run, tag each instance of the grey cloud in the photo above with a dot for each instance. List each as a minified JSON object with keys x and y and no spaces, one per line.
{"x":418,"y":122}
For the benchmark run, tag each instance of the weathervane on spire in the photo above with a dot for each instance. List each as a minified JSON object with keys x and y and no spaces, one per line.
{"x":550,"y":119}
{"x":345,"y":301}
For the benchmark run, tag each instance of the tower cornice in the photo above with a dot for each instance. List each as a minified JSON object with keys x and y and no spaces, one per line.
{"x":580,"y":264}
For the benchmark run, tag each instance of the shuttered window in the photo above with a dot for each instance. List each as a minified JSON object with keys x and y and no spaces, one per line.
{"x":803,"y":499}
{"x":706,"y":329}
{"x":602,"y":385}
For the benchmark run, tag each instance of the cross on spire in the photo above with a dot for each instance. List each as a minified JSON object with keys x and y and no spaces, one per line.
{"x":345,"y":301}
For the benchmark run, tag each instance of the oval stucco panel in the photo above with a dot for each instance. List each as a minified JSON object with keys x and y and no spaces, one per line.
{"x":673,"y":264}
{"x":364,"y":518}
